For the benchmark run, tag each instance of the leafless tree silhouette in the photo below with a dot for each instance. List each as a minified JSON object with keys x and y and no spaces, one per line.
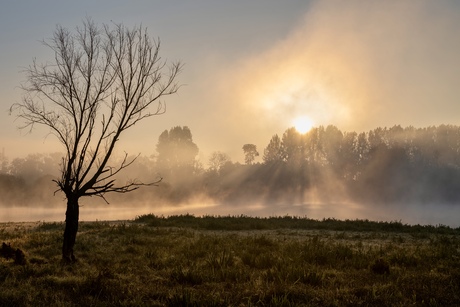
{"x":102,"y":82}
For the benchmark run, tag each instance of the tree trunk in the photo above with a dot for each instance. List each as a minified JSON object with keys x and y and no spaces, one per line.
{"x":71,"y":228}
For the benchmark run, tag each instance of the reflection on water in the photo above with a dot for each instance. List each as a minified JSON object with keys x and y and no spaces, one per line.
{"x":445,"y":215}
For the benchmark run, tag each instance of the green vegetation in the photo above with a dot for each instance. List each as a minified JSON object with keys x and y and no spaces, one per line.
{"x":234,"y":261}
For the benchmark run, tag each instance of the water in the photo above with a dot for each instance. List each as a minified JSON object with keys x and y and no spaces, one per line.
{"x":407,"y":214}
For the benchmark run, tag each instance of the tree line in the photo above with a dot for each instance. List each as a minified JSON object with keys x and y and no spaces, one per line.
{"x":382,"y":166}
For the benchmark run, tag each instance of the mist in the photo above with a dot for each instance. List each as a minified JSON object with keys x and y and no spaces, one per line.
{"x":351,"y":64}
{"x":415,"y":214}
{"x":386,"y":174}
{"x":356,"y":65}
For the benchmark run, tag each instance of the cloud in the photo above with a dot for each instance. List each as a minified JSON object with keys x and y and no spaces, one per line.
{"x":355,"y":64}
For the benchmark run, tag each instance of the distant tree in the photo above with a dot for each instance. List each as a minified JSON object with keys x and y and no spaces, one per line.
{"x":293,"y":146}
{"x":362,"y":148}
{"x":395,"y":136}
{"x":217,"y":160}
{"x":349,"y":158}
{"x":332,"y":140}
{"x":250,"y":153}
{"x":12,"y":189}
{"x":176,"y":150}
{"x":377,"y":138}
{"x":34,"y":166}
{"x":102,"y":82}
{"x":3,"y":162}
{"x":273,"y":151}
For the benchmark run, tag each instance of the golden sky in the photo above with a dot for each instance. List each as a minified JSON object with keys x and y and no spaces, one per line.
{"x":252,"y":69}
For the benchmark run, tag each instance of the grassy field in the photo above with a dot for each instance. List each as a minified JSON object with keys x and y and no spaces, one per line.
{"x":234,"y":261}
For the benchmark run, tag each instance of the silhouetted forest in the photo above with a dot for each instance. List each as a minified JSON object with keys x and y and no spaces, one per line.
{"x":385,"y":166}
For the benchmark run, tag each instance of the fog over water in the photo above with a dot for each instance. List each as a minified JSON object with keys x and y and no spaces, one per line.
{"x":416,"y":214}
{"x":397,"y":174}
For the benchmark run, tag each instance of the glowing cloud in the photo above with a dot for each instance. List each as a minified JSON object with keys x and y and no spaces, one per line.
{"x":303,"y":124}
{"x":357,"y":66}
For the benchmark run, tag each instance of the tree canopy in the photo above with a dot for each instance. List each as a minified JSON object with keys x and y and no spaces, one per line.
{"x":176,"y":149}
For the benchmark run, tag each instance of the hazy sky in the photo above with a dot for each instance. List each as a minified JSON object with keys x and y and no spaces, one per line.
{"x":253,"y":67}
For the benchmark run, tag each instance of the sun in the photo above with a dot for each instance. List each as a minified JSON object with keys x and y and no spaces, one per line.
{"x":303,"y":124}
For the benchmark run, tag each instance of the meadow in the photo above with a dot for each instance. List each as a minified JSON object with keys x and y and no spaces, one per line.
{"x":234,"y":261}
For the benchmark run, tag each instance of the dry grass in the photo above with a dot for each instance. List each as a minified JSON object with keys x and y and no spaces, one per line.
{"x":188,"y":261}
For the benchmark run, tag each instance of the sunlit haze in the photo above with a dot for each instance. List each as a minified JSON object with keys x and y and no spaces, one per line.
{"x":253,"y":69}
{"x":303,"y":124}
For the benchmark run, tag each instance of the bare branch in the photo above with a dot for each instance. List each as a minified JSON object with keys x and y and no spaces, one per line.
{"x":103,"y":81}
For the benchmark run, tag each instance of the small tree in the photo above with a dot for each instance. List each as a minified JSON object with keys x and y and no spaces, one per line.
{"x":103,"y":81}
{"x":273,"y":151}
{"x":250,"y":153}
{"x":3,"y":162}
{"x":217,"y":160}
{"x":177,"y":152}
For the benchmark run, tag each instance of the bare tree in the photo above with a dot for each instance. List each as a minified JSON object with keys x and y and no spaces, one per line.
{"x":217,"y":161}
{"x":103,"y":81}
